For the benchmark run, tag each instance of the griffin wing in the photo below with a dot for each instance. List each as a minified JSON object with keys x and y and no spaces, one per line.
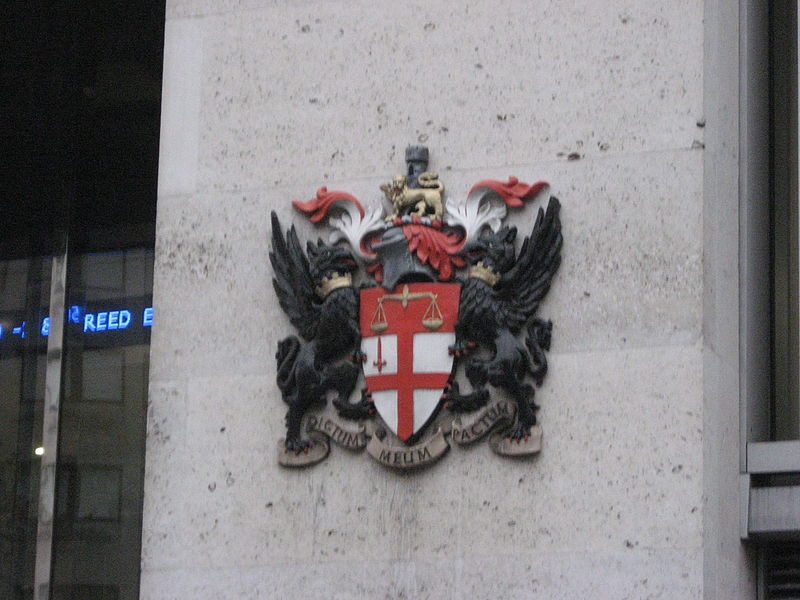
{"x":524,"y":285}
{"x":292,"y":280}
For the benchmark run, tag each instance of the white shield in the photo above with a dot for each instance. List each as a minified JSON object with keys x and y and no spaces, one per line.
{"x":405,"y":337}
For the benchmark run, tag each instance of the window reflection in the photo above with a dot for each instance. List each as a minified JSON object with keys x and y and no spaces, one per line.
{"x":24,"y":296}
{"x":97,"y":533}
{"x":99,"y":474}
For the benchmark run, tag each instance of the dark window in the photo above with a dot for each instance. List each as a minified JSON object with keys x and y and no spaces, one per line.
{"x":785,"y":406}
{"x":780,"y":566}
{"x":79,"y":127}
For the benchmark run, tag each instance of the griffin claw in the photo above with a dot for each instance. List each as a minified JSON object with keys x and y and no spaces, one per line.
{"x":299,"y":446}
{"x":359,"y":410}
{"x":358,"y":357}
{"x":458,"y":402}
{"x":460,"y":349}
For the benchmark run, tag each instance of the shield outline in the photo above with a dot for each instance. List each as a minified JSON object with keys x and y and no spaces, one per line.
{"x":390,"y":323}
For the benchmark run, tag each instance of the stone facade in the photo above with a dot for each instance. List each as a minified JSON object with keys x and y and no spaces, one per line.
{"x":265,"y":101}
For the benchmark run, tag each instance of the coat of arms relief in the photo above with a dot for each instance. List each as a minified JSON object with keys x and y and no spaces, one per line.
{"x":418,"y":329}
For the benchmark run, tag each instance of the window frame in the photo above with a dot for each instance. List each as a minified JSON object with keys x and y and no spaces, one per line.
{"x":769,"y":469}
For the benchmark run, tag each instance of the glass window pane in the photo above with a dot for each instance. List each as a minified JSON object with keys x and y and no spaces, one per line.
{"x":82,"y":109}
{"x":102,"y":375}
{"x":24,"y":300}
{"x":97,"y":535}
{"x":785,"y":418}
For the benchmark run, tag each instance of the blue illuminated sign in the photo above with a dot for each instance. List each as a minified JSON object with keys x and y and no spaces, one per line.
{"x":106,"y":320}
{"x":121,"y":323}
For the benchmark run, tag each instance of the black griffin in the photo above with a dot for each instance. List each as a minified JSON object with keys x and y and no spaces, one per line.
{"x":327,"y":319}
{"x":499,"y":299}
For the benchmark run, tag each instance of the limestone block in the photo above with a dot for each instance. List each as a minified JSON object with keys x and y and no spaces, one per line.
{"x":180,"y":107}
{"x":481,"y":83}
{"x":631,"y":272}
{"x":165,"y":466}
{"x":627,"y":575}
{"x":604,"y":480}
{"x":603,"y":101}
{"x":211,"y":288}
{"x":176,"y":9}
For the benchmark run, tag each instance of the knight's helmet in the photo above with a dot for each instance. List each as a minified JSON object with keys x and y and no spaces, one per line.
{"x":400,"y":265}
{"x":417,"y":161}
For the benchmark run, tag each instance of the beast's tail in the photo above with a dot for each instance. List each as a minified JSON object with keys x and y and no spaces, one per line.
{"x":538,"y":340}
{"x":288,"y":349}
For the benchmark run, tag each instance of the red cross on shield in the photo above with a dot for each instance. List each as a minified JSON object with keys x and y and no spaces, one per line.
{"x":405,"y":337}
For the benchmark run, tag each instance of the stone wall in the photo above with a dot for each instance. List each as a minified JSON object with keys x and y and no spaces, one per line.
{"x":266,"y":101}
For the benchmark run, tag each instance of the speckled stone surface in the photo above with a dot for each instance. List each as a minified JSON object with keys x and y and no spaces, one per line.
{"x":264,"y":102}
{"x":627,"y":575}
{"x":483,"y":84}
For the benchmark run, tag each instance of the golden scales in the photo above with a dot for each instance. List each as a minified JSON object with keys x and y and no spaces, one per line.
{"x":431,"y":319}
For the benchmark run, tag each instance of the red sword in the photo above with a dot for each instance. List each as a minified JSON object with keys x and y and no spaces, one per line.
{"x":380,"y":363}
